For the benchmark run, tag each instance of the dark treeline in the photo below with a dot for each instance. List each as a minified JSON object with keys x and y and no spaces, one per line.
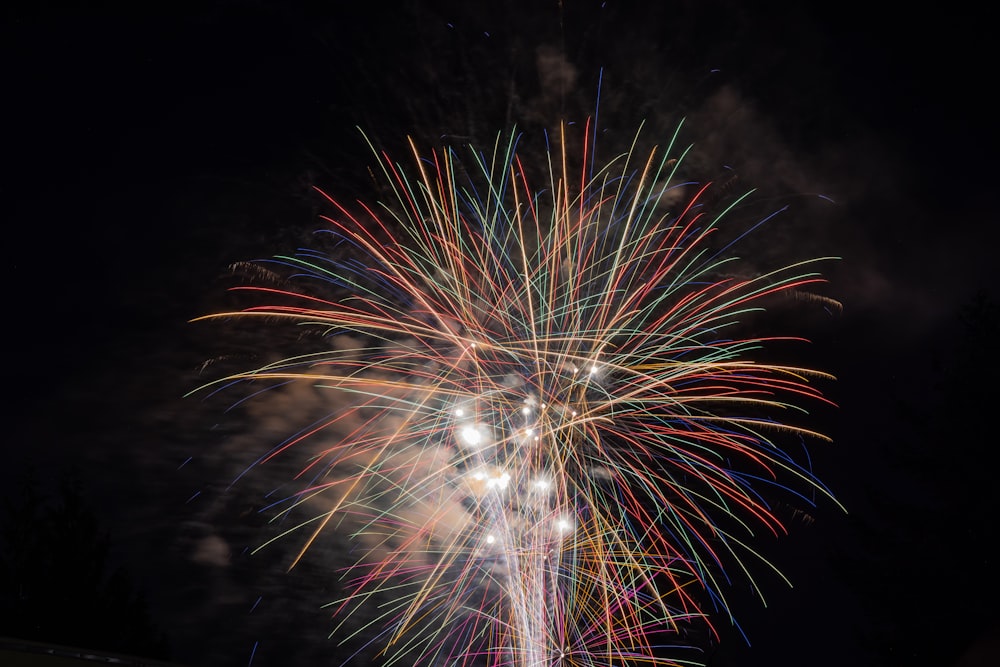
{"x":924,"y":561}
{"x":57,"y":581}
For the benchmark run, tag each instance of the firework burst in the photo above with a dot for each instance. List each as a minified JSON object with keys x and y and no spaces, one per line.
{"x":554,"y":441}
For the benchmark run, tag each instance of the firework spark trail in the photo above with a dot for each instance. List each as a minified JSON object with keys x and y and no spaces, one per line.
{"x":556,"y":433}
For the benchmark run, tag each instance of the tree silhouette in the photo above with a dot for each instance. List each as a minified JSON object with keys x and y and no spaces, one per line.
{"x":55,"y":584}
{"x":927,"y":565}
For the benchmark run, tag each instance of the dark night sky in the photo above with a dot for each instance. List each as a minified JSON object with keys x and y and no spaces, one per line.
{"x":148,"y":148}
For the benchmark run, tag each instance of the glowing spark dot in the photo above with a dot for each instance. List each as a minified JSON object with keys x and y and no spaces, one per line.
{"x":472,"y":436}
{"x":498,"y":482}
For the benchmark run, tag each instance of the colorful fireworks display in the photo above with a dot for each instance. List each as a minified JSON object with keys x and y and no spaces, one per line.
{"x":554,"y":441}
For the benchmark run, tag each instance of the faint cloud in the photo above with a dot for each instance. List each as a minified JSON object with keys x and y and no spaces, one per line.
{"x":212,"y":550}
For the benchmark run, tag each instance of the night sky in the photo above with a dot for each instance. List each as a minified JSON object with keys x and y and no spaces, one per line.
{"x":150,"y":147}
